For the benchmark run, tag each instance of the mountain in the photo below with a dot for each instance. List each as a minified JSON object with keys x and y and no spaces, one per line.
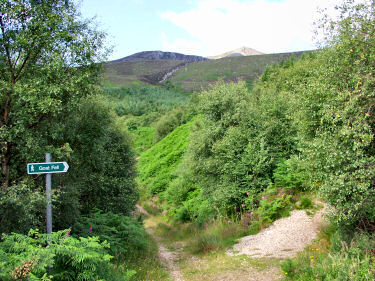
{"x":199,"y":75}
{"x":159,"y":55}
{"x":148,"y":67}
{"x":190,"y":73}
{"x":243,"y":51}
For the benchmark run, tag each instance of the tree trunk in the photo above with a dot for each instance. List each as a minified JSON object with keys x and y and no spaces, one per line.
{"x":5,"y":167}
{"x":5,"y":145}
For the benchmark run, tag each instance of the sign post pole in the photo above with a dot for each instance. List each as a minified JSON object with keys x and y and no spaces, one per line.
{"x":49,"y":200}
{"x":48,"y":168}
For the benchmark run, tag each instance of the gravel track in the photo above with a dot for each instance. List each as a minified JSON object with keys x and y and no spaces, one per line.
{"x":283,"y":239}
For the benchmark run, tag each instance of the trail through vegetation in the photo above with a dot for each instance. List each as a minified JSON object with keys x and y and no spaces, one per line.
{"x":213,"y":167}
{"x":258,"y":261}
{"x":167,"y":258}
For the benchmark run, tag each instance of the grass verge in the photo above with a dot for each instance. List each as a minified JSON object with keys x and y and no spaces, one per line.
{"x":146,"y":264}
{"x":331,"y":257}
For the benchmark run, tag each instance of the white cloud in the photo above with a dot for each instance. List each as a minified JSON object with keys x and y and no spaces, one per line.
{"x":217,"y":26}
{"x":181,"y":45}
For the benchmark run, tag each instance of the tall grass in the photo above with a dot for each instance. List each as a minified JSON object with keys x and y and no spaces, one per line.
{"x":146,"y":264}
{"x":333,"y":258}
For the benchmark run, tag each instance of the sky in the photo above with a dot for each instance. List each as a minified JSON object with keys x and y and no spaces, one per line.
{"x":206,"y":27}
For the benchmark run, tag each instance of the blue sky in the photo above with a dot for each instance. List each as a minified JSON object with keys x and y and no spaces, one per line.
{"x":206,"y":27}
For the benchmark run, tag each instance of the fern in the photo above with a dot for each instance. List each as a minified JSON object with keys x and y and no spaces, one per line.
{"x":39,"y":256}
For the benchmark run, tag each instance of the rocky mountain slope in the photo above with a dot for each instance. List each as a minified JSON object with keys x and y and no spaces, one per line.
{"x":159,"y":55}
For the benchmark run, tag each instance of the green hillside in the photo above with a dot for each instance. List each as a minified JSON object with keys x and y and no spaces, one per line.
{"x":132,"y":72}
{"x":193,"y":76}
{"x":198,"y":75}
{"x":156,"y":165}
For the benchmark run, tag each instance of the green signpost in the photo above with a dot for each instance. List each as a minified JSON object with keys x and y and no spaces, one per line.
{"x":48,"y":168}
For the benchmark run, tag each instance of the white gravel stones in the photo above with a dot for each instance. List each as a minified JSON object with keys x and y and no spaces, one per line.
{"x":283,"y":239}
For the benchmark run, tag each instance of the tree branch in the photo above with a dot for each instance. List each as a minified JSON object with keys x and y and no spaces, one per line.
{"x":6,"y":46}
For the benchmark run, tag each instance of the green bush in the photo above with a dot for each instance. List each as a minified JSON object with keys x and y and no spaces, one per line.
{"x":206,"y":242}
{"x":101,"y":173}
{"x":54,"y":257}
{"x":172,"y":119}
{"x":304,"y":203}
{"x":143,"y":139}
{"x":271,"y":210}
{"x":124,"y":234}
{"x":19,"y":214}
{"x":289,"y":175}
{"x":288,"y":267}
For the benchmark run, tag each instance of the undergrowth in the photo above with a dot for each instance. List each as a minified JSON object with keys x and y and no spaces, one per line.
{"x":145,"y":263}
{"x":334,"y":257}
{"x":223,"y":230}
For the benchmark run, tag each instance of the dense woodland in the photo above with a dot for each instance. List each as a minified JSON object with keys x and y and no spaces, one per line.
{"x":303,"y":131}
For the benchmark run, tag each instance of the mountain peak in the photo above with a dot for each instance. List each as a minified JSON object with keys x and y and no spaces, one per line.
{"x":243,"y":51}
{"x":160,"y":55}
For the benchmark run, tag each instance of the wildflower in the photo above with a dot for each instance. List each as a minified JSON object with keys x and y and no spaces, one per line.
{"x":351,"y":50}
{"x":235,"y":207}
{"x":228,"y":221}
{"x":90,"y":229}
{"x":214,"y":207}
{"x":68,"y":233}
{"x":263,"y":197}
{"x":243,"y":205}
{"x":247,"y":193}
{"x":286,"y":273}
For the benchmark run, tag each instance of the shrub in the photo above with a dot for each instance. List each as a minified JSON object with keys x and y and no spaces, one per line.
{"x":206,"y":242}
{"x":269,"y":211}
{"x":288,"y":267}
{"x":235,"y":147}
{"x":304,"y":203}
{"x":124,"y":234}
{"x":172,"y":119}
{"x":290,"y":175}
{"x":41,"y":256}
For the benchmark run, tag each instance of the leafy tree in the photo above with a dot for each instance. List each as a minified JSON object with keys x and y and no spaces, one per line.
{"x":49,"y":65}
{"x":48,"y":60}
{"x":102,"y":163}
{"x":342,"y":153}
{"x":239,"y":141}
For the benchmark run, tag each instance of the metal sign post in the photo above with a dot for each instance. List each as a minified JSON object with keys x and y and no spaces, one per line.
{"x":48,"y":168}
{"x":49,"y":200}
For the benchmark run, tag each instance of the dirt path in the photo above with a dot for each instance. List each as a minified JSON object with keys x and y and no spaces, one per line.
{"x":166,"y":257}
{"x":254,"y":258}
